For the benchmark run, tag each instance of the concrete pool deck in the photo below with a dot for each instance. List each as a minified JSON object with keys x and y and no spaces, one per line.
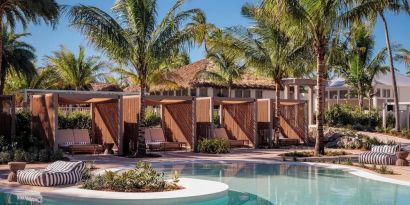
{"x":270,"y":156}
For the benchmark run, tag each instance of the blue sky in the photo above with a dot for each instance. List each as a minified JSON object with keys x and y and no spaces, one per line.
{"x":223,"y":13}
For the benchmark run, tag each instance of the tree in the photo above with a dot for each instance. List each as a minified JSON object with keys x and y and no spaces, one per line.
{"x":18,"y":57}
{"x":25,"y":11}
{"x":370,"y":9}
{"x":74,"y":72}
{"x":45,"y":79}
{"x":134,"y":38}
{"x":404,"y":56}
{"x":358,"y":65}
{"x":228,"y":67}
{"x":316,"y":21}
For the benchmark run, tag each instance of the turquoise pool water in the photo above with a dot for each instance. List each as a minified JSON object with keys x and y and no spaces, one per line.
{"x":274,"y":184}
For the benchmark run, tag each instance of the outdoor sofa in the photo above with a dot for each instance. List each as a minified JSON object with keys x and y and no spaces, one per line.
{"x":383,"y":155}
{"x":76,"y":141}
{"x":221,"y":133}
{"x":56,"y":173}
{"x":155,"y":141}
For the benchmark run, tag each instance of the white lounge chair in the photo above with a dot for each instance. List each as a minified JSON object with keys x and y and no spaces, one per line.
{"x":383,"y":155}
{"x":57,"y":173}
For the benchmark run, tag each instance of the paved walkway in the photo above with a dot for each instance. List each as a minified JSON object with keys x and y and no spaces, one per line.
{"x":386,"y":138}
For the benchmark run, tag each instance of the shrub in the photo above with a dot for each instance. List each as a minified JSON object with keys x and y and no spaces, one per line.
{"x":19,"y":156}
{"x":152,"y":119}
{"x":44,"y":155}
{"x":74,"y":120}
{"x":213,"y":146}
{"x":5,"y":157}
{"x":351,"y":117}
{"x":140,"y":179}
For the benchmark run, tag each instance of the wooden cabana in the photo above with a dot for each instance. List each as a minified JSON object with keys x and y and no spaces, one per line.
{"x":237,"y":116}
{"x":7,"y":115}
{"x":106,"y":113}
{"x":177,"y":117}
{"x":292,"y":121}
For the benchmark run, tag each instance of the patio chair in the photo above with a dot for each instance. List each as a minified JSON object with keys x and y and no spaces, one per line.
{"x":221,"y":133}
{"x":82,"y":143}
{"x":157,"y":135}
{"x":65,"y":138}
{"x":56,"y":173}
{"x":383,"y":155}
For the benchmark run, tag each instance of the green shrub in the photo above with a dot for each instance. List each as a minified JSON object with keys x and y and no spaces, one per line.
{"x":152,"y":119}
{"x":19,"y":156}
{"x":140,"y":179}
{"x":5,"y":157}
{"x":44,"y":155}
{"x":213,"y":146}
{"x":74,"y":120}
{"x":351,"y":117}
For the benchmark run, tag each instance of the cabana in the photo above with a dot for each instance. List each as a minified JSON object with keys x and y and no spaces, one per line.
{"x":292,"y":121}
{"x":237,"y":119}
{"x":7,"y":115}
{"x":177,"y":121}
{"x":106,"y":112}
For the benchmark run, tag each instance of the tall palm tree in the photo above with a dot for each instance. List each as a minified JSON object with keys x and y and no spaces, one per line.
{"x":135,"y":38}
{"x":45,"y":79}
{"x":18,"y":57}
{"x":358,"y":65}
{"x":316,"y":21}
{"x":370,"y":9}
{"x":25,"y":11}
{"x":74,"y":72}
{"x":404,"y":56}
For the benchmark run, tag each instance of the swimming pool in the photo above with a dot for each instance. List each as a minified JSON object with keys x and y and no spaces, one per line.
{"x":275,"y":184}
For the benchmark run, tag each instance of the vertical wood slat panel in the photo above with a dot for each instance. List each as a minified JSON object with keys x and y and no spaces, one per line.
{"x":43,"y":119}
{"x":6,"y":115}
{"x":239,"y":122}
{"x":292,"y":121}
{"x":203,"y":120}
{"x":105,"y":123}
{"x":177,"y":121}
{"x":131,"y":110}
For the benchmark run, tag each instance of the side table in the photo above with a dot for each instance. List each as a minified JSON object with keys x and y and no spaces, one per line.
{"x":14,"y":167}
{"x":402,"y":158}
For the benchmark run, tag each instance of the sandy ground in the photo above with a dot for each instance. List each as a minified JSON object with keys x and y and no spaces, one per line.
{"x":107,"y":161}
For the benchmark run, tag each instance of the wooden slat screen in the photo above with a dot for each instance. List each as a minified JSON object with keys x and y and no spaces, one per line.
{"x":105,"y":123}
{"x":7,"y":111}
{"x":203,"y":118}
{"x":43,"y":119}
{"x":130,"y":112}
{"x":292,"y":121}
{"x":177,"y":122}
{"x":238,"y":120}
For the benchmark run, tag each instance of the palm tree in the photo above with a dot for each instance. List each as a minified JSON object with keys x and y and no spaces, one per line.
{"x":135,"y":38}
{"x":371,"y":9}
{"x":18,"y":57}
{"x":74,"y":72}
{"x":404,"y":56}
{"x":45,"y":79}
{"x":358,"y":65}
{"x":228,"y":67}
{"x":406,"y":6}
{"x":316,"y":21}
{"x":25,"y":11}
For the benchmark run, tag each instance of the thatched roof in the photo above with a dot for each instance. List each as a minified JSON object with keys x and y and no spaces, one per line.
{"x":104,"y":87}
{"x":187,"y":77}
{"x":132,"y":89}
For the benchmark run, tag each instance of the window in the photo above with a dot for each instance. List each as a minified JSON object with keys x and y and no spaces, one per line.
{"x":203,"y":92}
{"x":178,"y":93}
{"x":224,"y":92}
{"x":193,"y":92}
{"x":184,"y":92}
{"x":333,"y":94}
{"x":247,"y":93}
{"x":343,"y":94}
{"x":378,"y":93}
{"x":238,"y":93}
{"x":258,"y":94}
{"x":386,"y":93}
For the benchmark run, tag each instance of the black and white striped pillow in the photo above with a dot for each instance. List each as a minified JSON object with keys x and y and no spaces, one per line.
{"x":61,"y":166}
{"x":388,"y":149}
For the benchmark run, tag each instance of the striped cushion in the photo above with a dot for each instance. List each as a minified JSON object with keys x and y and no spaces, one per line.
{"x":69,"y":173}
{"x":388,"y":149}
{"x":377,"y":158}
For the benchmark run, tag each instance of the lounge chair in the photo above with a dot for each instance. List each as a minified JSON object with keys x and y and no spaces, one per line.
{"x":158,"y":141}
{"x":383,"y":155}
{"x":65,"y":138}
{"x":221,"y":133}
{"x":82,"y":143}
{"x":56,"y":173}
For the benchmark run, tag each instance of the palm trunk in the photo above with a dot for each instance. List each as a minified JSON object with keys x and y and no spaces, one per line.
{"x":392,"y":70}
{"x":277,"y":114}
{"x":2,"y":70}
{"x":229,"y":91}
{"x":361,"y":103}
{"x":320,"y":83}
{"x":140,"y":141}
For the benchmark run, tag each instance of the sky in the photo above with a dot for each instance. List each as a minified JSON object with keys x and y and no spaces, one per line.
{"x":222,"y":13}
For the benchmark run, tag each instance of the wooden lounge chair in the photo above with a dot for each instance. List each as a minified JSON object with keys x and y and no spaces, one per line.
{"x":383,"y":155}
{"x":157,"y":136}
{"x":151,"y":145}
{"x":56,"y":173}
{"x":65,"y":138}
{"x":221,"y":133}
{"x":82,"y":143}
